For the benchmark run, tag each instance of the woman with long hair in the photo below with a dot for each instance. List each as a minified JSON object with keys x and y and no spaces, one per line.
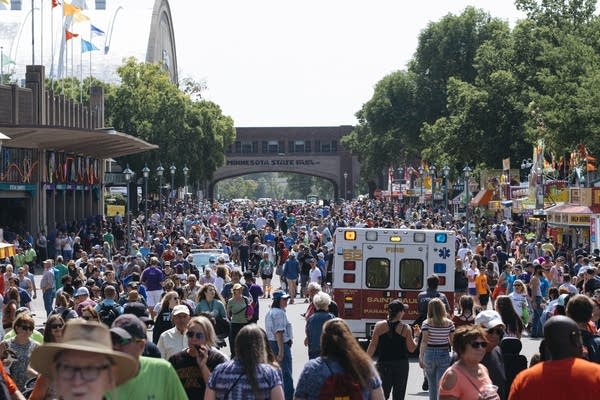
{"x":434,"y":356}
{"x":89,"y":313}
{"x":392,"y":341}
{"x":195,"y":363}
{"x":53,"y":333}
{"x":250,"y":372}
{"x":467,"y":378}
{"x":466,"y":317}
{"x":22,"y":344}
{"x":512,"y":321}
{"x":10,"y":308}
{"x":163,"y":317}
{"x":210,"y":301}
{"x":340,"y":353}
{"x":236,"y":311}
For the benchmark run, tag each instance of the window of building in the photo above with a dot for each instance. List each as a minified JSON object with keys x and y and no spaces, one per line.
{"x":273,"y":146}
{"x":238,"y":147}
{"x":334,"y":146}
{"x":378,"y":273}
{"x":246,"y":147}
{"x":15,"y":4}
{"x":411,"y":273}
{"x":100,"y":4}
{"x":299,"y":146}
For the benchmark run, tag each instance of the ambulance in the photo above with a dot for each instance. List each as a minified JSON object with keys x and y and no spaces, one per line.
{"x":373,"y":266}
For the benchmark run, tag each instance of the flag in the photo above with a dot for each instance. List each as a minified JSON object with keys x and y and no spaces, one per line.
{"x":87,"y":46}
{"x":68,"y":9}
{"x":96,"y":31}
{"x":70,"y":35}
{"x":55,"y":3}
{"x":5,"y":59}
{"x":7,"y":2}
{"x":80,"y":17}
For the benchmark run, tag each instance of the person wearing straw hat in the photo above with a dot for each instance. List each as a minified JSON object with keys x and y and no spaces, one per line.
{"x":84,"y":365}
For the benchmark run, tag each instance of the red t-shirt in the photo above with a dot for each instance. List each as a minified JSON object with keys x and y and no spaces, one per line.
{"x":570,"y":378}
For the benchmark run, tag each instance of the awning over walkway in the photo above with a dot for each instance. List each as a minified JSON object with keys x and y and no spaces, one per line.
{"x":100,"y":143}
{"x":482,"y":198}
{"x":569,"y":215}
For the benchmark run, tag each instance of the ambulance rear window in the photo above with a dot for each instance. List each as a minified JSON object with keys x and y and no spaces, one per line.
{"x":411,"y":273}
{"x":378,"y":273}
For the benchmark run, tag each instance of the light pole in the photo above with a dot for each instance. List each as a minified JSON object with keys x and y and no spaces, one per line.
{"x":173,"y":168}
{"x":432,"y":173}
{"x":186,"y":171}
{"x":345,"y":185}
{"x":467,"y":172}
{"x":421,"y":170}
{"x":128,"y":173}
{"x":146,"y":174}
{"x":446,"y":172}
{"x":160,"y":171}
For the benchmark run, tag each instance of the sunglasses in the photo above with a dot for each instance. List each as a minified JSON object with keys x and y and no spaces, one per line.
{"x":479,"y":345}
{"x":56,"y":326}
{"x":197,"y":335}
{"x":498,"y":332}
{"x":518,"y":285}
{"x":118,"y":340}
{"x":25,"y":327}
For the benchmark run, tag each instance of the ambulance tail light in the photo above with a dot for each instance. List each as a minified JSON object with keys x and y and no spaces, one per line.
{"x":349,"y":265}
{"x":349,"y":278}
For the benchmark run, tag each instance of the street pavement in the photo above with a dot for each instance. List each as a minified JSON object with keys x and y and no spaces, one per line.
{"x":299,"y":351}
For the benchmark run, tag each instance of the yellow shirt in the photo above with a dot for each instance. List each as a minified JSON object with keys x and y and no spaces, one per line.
{"x":481,"y":284}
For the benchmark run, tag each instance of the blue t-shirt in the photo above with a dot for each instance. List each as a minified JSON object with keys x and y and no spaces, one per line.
{"x":315,"y":373}
{"x":224,"y":376}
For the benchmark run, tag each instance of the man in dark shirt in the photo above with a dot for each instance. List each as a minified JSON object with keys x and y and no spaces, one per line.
{"x":423,"y":298}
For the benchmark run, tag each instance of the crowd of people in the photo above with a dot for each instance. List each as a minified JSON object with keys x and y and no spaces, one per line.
{"x":191,"y":331}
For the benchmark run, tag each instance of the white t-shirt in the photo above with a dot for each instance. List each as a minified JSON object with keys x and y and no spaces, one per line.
{"x":519,"y":301}
{"x":315,"y":275}
{"x":472,"y":273}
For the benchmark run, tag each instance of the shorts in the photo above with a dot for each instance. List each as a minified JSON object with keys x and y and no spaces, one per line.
{"x":472,"y":291}
{"x":153,"y":297}
{"x":263,"y":276}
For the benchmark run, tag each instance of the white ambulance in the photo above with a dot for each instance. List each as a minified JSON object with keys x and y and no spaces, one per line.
{"x":373,"y":266}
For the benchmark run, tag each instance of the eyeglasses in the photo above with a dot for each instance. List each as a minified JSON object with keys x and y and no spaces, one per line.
{"x":479,"y":345}
{"x":56,"y":326}
{"x":175,"y":298}
{"x":88,"y":374}
{"x":498,"y":332}
{"x":197,"y":335}
{"x":25,"y":327}
{"x":518,"y":285}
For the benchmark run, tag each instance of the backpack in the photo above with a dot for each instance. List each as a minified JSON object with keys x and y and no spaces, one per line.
{"x":108,"y":313}
{"x":340,"y":386}
{"x":249,"y":310}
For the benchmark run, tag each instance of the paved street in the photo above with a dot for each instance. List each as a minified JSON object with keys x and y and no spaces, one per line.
{"x":300,"y":355}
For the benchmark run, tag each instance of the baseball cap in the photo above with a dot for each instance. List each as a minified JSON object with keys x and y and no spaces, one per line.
{"x":489,"y":319}
{"x":128,"y":326}
{"x":82,"y":291}
{"x":280,"y":294}
{"x":180,"y":309}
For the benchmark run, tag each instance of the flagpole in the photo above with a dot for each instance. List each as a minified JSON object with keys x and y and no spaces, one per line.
{"x":1,"y":65}
{"x":32,"y":35}
{"x":42,"y":33}
{"x":51,"y":47}
{"x":81,"y":75}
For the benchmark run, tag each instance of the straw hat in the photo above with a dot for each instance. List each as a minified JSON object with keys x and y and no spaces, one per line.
{"x":87,"y":336}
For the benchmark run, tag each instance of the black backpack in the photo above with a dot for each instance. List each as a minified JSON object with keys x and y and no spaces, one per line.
{"x":108,"y":313}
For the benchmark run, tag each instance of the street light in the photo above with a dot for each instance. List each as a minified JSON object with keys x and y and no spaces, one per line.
{"x":345,"y":185}
{"x":128,"y":173}
{"x":421,"y":170}
{"x":186,"y":171}
{"x":173,"y":168}
{"x":146,"y":174}
{"x":467,"y":172}
{"x":432,"y":173}
{"x":159,"y":171}
{"x":446,"y":172}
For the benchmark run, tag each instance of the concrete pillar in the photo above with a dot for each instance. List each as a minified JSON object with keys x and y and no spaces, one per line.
{"x":97,"y":106}
{"x":35,"y":76}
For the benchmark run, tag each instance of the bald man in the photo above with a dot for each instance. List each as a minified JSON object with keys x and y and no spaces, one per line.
{"x":565,"y":374}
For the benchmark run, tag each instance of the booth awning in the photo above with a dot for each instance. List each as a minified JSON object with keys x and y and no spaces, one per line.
{"x":482,"y":198}
{"x":569,"y":215}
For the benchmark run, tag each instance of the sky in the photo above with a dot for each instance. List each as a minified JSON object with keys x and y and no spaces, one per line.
{"x":303,"y":63}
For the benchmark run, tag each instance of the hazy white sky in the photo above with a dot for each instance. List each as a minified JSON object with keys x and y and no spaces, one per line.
{"x":303,"y":63}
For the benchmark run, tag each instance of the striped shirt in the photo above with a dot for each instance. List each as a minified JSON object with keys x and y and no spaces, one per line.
{"x":438,"y":336}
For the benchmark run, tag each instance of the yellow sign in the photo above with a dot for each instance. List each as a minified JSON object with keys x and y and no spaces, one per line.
{"x":352,"y":255}
{"x":111,"y":210}
{"x":579,"y":219}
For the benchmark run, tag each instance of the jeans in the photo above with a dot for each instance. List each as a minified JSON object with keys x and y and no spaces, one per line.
{"x":48,"y":297}
{"x":536,"y":322}
{"x":394,"y":375}
{"x":286,"y":368}
{"x":436,"y":360}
